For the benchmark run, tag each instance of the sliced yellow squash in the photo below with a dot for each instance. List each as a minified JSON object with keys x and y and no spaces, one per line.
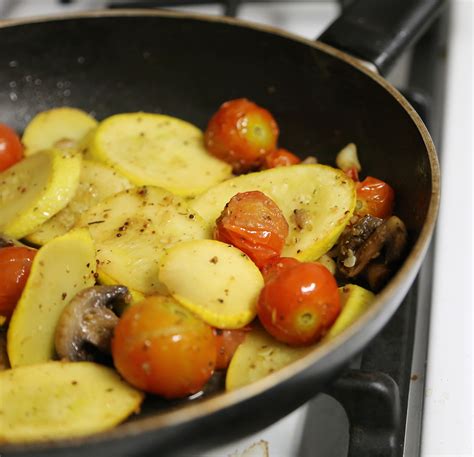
{"x":132,"y":229}
{"x":106,"y":280}
{"x":60,"y":269}
{"x":54,"y":126}
{"x":158,"y":150}
{"x":258,"y":356}
{"x":96,"y":182}
{"x":216,"y":281}
{"x":57,"y":400}
{"x":35,"y":189}
{"x":316,"y":200}
{"x":355,"y":300}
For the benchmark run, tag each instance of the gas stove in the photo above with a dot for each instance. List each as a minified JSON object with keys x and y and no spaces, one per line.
{"x":417,"y":374}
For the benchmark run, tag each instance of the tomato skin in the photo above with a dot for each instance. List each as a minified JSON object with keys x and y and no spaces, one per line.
{"x":376,"y":198}
{"x":11,"y":149}
{"x":160,"y":347}
{"x":253,"y":223}
{"x":227,"y":343}
{"x":298,"y":305}
{"x":241,"y":133}
{"x":15,"y":266}
{"x":280,"y":158}
{"x":276,"y":265}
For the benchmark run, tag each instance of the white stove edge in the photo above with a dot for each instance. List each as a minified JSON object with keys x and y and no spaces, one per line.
{"x":448,"y":427}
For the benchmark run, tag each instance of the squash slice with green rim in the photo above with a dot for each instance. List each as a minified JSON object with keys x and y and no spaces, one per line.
{"x":158,"y":150}
{"x":35,"y":189}
{"x":58,"y":125}
{"x":60,"y":269}
{"x":96,"y":182}
{"x":57,"y":400}
{"x":214,"y":280}
{"x":132,"y":230}
{"x":316,"y":200}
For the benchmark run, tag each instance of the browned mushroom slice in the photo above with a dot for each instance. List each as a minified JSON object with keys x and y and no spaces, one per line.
{"x":88,"y":321}
{"x":366,"y":241}
{"x":352,"y":242}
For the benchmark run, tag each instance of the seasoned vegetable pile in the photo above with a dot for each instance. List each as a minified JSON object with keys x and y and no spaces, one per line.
{"x":140,"y":256}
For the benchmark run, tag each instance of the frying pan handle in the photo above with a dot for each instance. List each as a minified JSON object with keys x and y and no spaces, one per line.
{"x":378,"y":31}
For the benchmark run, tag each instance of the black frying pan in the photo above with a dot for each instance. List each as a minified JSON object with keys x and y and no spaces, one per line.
{"x":186,"y":66}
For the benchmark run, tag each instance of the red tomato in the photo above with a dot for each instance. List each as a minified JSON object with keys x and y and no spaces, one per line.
{"x":15,"y":265}
{"x":375,"y":197}
{"x":252,"y":222}
{"x":276,"y":265}
{"x":11,"y":149}
{"x":160,"y":347}
{"x":227,"y":343}
{"x":280,"y":158}
{"x":241,"y":133}
{"x":298,"y":305}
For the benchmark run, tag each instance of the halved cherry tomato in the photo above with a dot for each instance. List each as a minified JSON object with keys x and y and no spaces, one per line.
{"x":11,"y":149}
{"x":298,"y":305}
{"x":241,"y":133}
{"x":15,"y":266}
{"x":160,"y":347}
{"x":252,"y":222}
{"x":227,"y":343}
{"x":374,"y":197}
{"x":280,"y":158}
{"x":276,"y":265}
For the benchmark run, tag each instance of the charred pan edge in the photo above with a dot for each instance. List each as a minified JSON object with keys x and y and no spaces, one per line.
{"x":332,"y":353}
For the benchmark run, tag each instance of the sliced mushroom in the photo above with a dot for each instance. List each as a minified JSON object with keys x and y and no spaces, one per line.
{"x":366,"y":241}
{"x":88,"y":322}
{"x":352,"y":241}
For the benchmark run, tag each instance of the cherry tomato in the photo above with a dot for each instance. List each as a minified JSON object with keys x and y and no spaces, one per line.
{"x":252,"y":222}
{"x":227,"y":343}
{"x":160,"y":347}
{"x":15,"y":265}
{"x":276,"y":265}
{"x":241,"y":133}
{"x":298,"y":305}
{"x":374,"y":197}
{"x":11,"y":149}
{"x":280,"y":158}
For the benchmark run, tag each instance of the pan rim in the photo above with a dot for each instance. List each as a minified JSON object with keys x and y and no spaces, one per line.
{"x":333,"y":350}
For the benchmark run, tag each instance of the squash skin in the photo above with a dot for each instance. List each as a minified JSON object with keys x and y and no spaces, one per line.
{"x":96,"y":182}
{"x":60,"y":269}
{"x":55,"y":400}
{"x":132,"y":230}
{"x":316,"y":200}
{"x":214,"y":280}
{"x":157,"y":150}
{"x":35,"y":189}
{"x":49,"y":127}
